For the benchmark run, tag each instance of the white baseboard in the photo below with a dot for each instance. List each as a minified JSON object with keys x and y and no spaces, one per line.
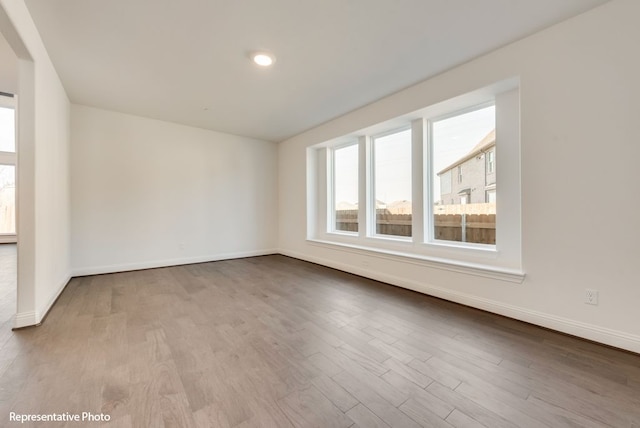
{"x":31,"y":318}
{"x":592,"y":332}
{"x":25,"y":319}
{"x":44,"y":309}
{"x":97,"y":270}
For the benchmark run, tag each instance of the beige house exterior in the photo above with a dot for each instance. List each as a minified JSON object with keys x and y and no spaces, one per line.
{"x":472,"y":178}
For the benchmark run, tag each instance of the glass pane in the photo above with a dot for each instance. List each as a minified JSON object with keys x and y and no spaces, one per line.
{"x":464,"y":164}
{"x":392,"y":170}
{"x":7,"y":199}
{"x":345,"y":188}
{"x":7,"y":130}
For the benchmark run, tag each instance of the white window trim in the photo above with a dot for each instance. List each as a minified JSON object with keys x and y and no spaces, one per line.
{"x":502,"y":262}
{"x":430,"y":172}
{"x":452,"y":265}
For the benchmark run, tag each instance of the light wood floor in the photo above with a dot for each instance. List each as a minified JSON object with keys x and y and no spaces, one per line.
{"x":8,"y":269}
{"x":276,"y":342}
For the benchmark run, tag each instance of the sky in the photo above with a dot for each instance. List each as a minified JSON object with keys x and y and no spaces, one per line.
{"x":456,"y":136}
{"x":452,"y":137}
{"x":392,"y":164}
{"x":7,"y":176}
{"x":346,"y":174}
{"x":7,"y":144}
{"x":7,"y":130}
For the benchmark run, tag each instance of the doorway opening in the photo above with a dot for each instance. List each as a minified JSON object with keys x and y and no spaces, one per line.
{"x":8,"y":163}
{"x":8,"y":235}
{"x":8,"y":184}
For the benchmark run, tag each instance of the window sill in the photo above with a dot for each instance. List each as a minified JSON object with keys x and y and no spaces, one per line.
{"x":475,"y":269}
{"x":8,"y":238}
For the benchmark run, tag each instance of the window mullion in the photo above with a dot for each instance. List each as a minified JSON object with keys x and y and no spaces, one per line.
{"x":428,"y":182}
{"x":324,"y":189}
{"x":370,"y":201}
{"x":363,"y":186}
{"x":417,"y":182}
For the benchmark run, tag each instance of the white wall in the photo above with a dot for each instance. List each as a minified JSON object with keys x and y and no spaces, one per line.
{"x":149,"y":193}
{"x":43,"y":169}
{"x":52,"y":214}
{"x":8,"y":68}
{"x":579,"y":108}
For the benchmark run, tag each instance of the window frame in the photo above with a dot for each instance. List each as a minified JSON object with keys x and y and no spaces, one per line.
{"x":488,"y":193}
{"x":429,"y":223}
{"x":331,"y":202}
{"x":371,"y":226}
{"x":503,"y":261}
{"x":491,"y":161}
{"x":10,"y":159}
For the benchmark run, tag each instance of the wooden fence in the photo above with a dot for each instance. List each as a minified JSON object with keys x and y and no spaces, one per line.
{"x":392,"y":224}
{"x":347,"y":220}
{"x":476,"y":228}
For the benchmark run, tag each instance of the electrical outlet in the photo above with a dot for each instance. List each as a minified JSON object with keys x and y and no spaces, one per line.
{"x":591,"y":296}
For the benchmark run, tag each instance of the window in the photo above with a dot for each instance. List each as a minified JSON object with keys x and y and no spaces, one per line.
{"x":424,"y":185}
{"x":7,"y":128}
{"x":445,"y":186}
{"x":7,"y":200}
{"x":345,"y":188}
{"x":462,"y":141}
{"x":491,"y":162}
{"x":7,"y":170}
{"x":392,"y":183}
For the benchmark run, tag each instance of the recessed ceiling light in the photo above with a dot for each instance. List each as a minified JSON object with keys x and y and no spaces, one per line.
{"x":263,"y":59}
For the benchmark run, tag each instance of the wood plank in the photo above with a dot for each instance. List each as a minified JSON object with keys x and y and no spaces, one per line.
{"x":309,"y":408}
{"x":422,"y":414}
{"x":509,"y":408}
{"x":460,"y":420}
{"x":374,"y":402}
{"x":393,"y":351}
{"x":425,"y":398}
{"x":334,"y":392}
{"x":408,"y":372}
{"x":365,"y":418}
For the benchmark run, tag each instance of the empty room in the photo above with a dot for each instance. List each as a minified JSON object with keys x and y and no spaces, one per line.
{"x":340,"y":213}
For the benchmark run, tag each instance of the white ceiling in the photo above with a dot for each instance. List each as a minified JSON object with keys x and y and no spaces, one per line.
{"x":170,"y":60}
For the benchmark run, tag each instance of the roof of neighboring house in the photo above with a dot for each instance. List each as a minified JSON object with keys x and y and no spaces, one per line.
{"x":399,"y":204}
{"x":346,"y":206}
{"x":399,"y":207}
{"x":485,"y":144}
